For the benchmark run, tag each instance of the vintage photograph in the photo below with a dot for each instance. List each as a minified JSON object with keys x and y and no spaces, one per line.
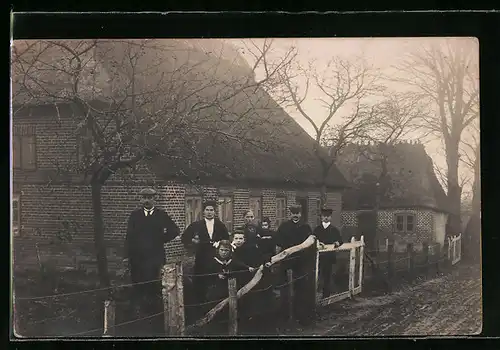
{"x":265,"y":187}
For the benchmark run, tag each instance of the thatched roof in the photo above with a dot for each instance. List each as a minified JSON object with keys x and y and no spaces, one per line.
{"x":411,"y":180}
{"x":244,"y":135}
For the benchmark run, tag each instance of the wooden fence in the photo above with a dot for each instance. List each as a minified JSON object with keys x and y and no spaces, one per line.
{"x":409,"y":263}
{"x":356,"y":258}
{"x":455,"y":249}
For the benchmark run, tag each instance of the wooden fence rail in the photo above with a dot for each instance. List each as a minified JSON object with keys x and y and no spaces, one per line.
{"x":173,"y":294}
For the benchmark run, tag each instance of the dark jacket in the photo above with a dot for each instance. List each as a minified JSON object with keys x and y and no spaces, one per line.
{"x":251,"y":233}
{"x":204,"y":251}
{"x":329,"y":235}
{"x":266,"y":243}
{"x":217,"y":286}
{"x":290,"y":234}
{"x":145,"y":238}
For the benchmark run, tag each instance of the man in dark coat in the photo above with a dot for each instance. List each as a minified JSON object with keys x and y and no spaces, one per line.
{"x":203,"y":238}
{"x":302,"y":264}
{"x":265,"y":239}
{"x":148,"y":229}
{"x":326,"y":233}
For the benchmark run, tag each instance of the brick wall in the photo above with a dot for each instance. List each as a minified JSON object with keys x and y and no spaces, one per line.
{"x":269,"y":205}
{"x":240,"y":205}
{"x":424,"y":230}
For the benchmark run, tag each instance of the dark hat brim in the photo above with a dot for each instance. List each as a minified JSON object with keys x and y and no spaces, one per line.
{"x":147,"y":192}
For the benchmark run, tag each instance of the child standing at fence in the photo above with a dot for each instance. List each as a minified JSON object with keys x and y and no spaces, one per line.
{"x":221,"y":268}
{"x":265,"y":240}
{"x":326,"y":233}
{"x":256,"y":306}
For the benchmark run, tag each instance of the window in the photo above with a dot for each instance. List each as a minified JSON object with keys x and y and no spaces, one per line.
{"x":256,"y":207}
{"x":193,"y":210}
{"x":16,"y":209}
{"x":280,"y":211}
{"x":225,"y":211}
{"x":405,"y":223}
{"x":24,"y":152}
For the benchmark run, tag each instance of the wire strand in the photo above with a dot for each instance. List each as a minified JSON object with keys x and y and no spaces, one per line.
{"x":86,"y":291}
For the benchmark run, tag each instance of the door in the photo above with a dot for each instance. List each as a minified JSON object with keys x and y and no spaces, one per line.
{"x":367,"y":226}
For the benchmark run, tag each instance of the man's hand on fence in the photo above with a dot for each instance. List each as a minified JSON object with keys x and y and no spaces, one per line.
{"x":216,"y":245}
{"x":251,"y":269}
{"x":336,"y":244}
{"x":321,"y":245}
{"x":222,"y":276}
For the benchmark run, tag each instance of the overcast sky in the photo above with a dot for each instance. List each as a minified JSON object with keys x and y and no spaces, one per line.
{"x":382,"y":53}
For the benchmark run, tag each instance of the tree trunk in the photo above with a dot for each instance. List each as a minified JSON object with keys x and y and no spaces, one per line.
{"x":323,"y":197}
{"x":100,"y":246}
{"x":454,"y":190}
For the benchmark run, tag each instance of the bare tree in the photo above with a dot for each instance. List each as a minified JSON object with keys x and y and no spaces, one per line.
{"x":137,"y":100}
{"x":446,"y":75}
{"x":343,"y":86}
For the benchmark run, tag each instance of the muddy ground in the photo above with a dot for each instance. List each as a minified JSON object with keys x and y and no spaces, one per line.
{"x":446,"y":305}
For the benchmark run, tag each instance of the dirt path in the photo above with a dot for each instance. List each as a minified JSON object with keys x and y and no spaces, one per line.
{"x":447,"y":305}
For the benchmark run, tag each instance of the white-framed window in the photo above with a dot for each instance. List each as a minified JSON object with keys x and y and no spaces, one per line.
{"x":194,"y":209}
{"x":16,"y":214}
{"x":280,"y":210}
{"x":405,"y":223}
{"x":256,"y":207}
{"x":24,"y":152}
{"x":225,"y":211}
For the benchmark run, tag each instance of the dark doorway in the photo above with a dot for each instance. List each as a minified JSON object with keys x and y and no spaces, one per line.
{"x":367,"y":226}
{"x":302,"y":201}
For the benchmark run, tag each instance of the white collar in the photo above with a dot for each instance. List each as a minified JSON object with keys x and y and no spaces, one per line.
{"x":209,"y":220}
{"x":296,"y":222}
{"x":325,"y":224}
{"x":227,"y":262}
{"x":149,"y":210}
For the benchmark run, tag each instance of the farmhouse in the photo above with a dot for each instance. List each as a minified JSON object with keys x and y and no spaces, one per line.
{"x":52,"y":200}
{"x":411,"y":203}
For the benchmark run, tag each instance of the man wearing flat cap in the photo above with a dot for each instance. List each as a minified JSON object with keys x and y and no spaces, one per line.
{"x":203,"y":238}
{"x":326,"y":233}
{"x":303,"y":264}
{"x":148,"y":229}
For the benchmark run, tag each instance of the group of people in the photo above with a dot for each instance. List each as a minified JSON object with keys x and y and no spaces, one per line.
{"x":220,"y":256}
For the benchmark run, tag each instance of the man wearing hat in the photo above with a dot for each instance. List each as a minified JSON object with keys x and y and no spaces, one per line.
{"x":326,"y":233}
{"x":290,"y":233}
{"x":203,"y":238}
{"x":148,"y":229}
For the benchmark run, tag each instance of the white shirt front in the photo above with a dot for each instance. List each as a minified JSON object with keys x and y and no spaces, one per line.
{"x":325,"y":224}
{"x":148,"y":212}
{"x":210,"y":227}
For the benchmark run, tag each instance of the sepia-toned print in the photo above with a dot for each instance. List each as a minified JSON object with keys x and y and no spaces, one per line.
{"x":245,"y":187}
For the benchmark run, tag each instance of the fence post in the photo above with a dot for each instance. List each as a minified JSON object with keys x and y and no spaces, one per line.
{"x":425,"y":247}
{"x":361,"y":259}
{"x":377,"y":246}
{"x":352,"y":268}
{"x":233,"y":306}
{"x":289,"y":275}
{"x":390,"y":261}
{"x":437,"y":255}
{"x":411,"y":259}
{"x":180,"y":300}
{"x":169,"y":294}
{"x":449,"y":249}
{"x":109,"y":318}
{"x":316,"y":275}
{"x":387,"y":244}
